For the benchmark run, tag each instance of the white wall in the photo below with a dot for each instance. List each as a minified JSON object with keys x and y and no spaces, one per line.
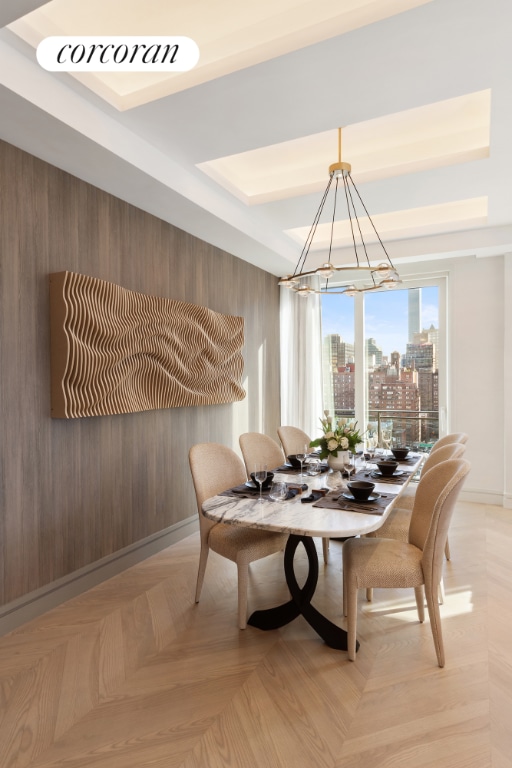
{"x":479,"y":382}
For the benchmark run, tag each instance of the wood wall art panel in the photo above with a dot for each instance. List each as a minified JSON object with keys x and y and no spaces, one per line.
{"x":117,"y":351}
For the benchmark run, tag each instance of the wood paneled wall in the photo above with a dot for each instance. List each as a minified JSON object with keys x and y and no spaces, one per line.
{"x":75,"y":491}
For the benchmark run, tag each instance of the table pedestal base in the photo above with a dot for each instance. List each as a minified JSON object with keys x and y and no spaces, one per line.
{"x":300,"y":604}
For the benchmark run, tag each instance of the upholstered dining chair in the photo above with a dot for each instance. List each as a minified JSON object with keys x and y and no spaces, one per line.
{"x":453,"y":437}
{"x":396,"y":526}
{"x":261,"y":449}
{"x":215,"y":468}
{"x":293,"y":440}
{"x":417,"y":563}
{"x":258,"y":448}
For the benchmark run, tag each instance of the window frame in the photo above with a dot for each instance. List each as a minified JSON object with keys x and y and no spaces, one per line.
{"x":439,"y":280}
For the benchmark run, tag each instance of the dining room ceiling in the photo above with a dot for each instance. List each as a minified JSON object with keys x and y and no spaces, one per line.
{"x":236,"y":150}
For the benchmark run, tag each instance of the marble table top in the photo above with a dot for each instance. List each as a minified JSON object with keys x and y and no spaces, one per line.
{"x":293,"y":516}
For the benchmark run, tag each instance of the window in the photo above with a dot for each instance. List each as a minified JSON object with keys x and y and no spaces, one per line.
{"x":390,"y":378}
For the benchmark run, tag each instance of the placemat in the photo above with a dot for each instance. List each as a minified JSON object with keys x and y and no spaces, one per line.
{"x":289,"y":470}
{"x":334,"y":500}
{"x":411,"y":458}
{"x":366,"y":474}
{"x":244,"y":492}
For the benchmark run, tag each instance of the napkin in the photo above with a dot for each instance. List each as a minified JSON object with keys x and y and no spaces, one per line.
{"x":319,"y":493}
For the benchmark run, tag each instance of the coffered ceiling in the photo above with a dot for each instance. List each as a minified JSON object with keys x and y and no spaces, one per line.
{"x":236,"y":151}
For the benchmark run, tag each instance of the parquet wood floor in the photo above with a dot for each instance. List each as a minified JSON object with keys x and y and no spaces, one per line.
{"x":133,"y":674}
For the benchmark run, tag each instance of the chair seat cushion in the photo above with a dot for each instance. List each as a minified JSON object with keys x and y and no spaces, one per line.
{"x":229,"y":541}
{"x":378,"y":562}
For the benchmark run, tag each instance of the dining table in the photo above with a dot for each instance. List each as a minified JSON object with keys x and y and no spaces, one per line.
{"x":311,"y":510}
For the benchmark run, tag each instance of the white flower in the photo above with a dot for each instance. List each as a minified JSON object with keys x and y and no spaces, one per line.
{"x":326,"y":413}
{"x":344,"y":443}
{"x":329,"y":435}
{"x":332,"y":445}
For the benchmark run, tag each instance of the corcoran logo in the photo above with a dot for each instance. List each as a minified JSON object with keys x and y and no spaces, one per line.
{"x":117,"y":54}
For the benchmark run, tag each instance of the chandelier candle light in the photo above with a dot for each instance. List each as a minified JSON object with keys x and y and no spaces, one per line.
{"x":383,"y":275}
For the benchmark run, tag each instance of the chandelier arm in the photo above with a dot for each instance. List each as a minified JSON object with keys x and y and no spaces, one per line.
{"x":309,"y":239}
{"x":373,"y":225}
{"x":345,"y":184}
{"x":351,"y":181}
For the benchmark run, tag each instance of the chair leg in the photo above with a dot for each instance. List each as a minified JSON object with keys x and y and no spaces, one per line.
{"x":351,"y":621}
{"x":447,"y":550}
{"x":203,"y":558}
{"x":325,"y":549}
{"x":420,"y":603}
{"x":369,"y":594}
{"x":441,"y":592}
{"x":243,"y":579}
{"x":431,"y":592}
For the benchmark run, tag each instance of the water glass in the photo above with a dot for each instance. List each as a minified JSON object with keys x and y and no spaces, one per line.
{"x":314,"y":467}
{"x":334,"y":481}
{"x":278,"y":491}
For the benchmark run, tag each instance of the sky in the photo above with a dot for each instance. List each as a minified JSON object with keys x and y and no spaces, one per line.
{"x":386,"y":317}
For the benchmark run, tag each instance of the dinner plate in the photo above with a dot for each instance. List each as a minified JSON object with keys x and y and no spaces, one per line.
{"x":396,"y":473}
{"x":373,"y":497}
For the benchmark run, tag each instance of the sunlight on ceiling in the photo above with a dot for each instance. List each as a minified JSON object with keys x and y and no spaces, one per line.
{"x":415,"y":222}
{"x":440,"y":134}
{"x":432,"y":136}
{"x":230,"y":35}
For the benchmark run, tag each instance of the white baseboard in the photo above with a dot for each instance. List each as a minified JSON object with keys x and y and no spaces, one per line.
{"x":484,"y":497}
{"x":18,"y":612}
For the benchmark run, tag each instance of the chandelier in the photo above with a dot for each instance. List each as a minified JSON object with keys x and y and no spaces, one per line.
{"x":381,"y":275}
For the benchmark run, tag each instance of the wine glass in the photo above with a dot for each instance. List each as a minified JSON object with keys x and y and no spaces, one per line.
{"x":301,"y":456}
{"x":260,"y":475}
{"x":369,"y":452}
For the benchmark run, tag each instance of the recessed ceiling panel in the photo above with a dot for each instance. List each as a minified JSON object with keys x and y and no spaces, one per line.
{"x":231,"y":35}
{"x":415,"y":222}
{"x":447,"y":132}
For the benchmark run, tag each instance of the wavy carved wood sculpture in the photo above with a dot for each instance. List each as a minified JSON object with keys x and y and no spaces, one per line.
{"x":118,"y":351}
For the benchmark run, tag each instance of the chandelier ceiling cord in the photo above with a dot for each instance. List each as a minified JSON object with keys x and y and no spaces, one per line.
{"x":383,"y":275}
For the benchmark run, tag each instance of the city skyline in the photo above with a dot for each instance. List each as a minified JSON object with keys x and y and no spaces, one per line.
{"x":386,"y":317}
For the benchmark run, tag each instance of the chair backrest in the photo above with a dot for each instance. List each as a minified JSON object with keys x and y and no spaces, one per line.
{"x":453,"y":437}
{"x":214,"y":468}
{"x":260,"y":448}
{"x":293,"y":440}
{"x":445,"y":452}
{"x":434,"y":503}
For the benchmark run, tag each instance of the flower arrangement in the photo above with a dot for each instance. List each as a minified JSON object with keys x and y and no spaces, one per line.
{"x":340,"y":435}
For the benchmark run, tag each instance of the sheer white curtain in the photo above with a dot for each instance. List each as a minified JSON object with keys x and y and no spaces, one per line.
{"x":301,"y":361}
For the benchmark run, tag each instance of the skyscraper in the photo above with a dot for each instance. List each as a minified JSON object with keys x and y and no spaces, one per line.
{"x":414,"y":300}
{"x":419,"y":356}
{"x":373,"y":353}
